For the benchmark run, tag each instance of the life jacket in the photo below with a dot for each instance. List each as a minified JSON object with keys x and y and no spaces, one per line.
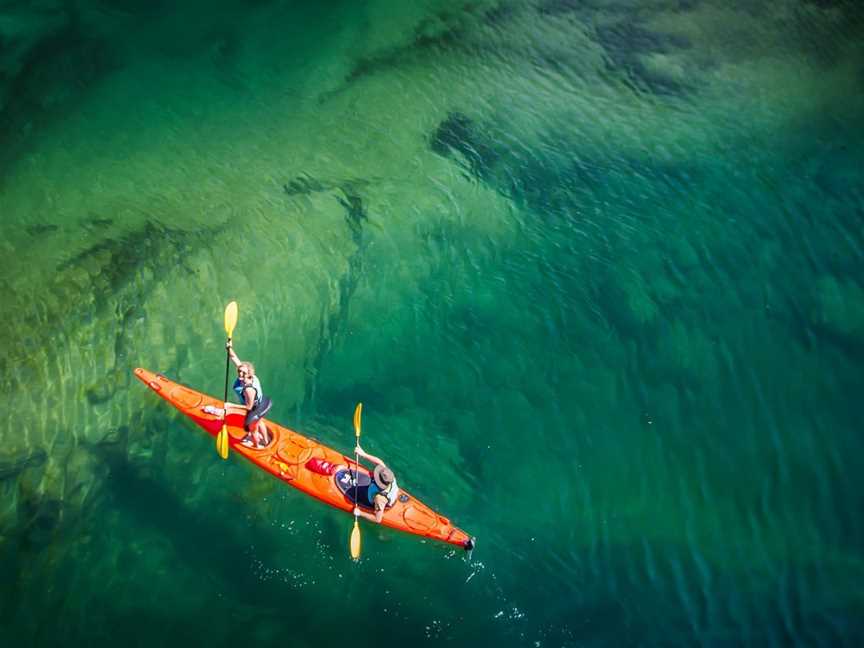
{"x":240,"y":387}
{"x":392,"y":493}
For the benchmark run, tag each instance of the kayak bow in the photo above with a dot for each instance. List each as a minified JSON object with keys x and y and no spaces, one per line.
{"x":286,"y":458}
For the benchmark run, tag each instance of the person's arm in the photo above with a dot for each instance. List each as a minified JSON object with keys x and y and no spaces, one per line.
{"x":231,"y":354}
{"x":380,"y":506}
{"x":360,"y":452}
{"x":361,"y":513}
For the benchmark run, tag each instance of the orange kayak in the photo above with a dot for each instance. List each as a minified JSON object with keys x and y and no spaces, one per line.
{"x":288,"y":458}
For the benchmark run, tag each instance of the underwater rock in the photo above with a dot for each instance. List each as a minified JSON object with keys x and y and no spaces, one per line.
{"x":39,"y":507}
{"x":8,"y":509}
{"x":84,"y":477}
{"x":451,"y":133}
{"x":645,"y":56}
{"x":459,"y":135}
{"x":444,"y":29}
{"x":117,"y":260}
{"x":41,"y":228}
{"x":627,"y":36}
{"x":118,"y":436}
{"x":350,"y":199}
{"x":103,"y":390}
{"x":47,"y":76}
{"x":628,"y":304}
{"x":838,"y":308}
{"x":441,"y":32}
{"x":12,"y":466}
{"x":305,"y":185}
{"x":109,"y":279}
{"x":444,"y":33}
{"x":100,"y":393}
{"x":99,"y":223}
{"x":355,"y":214}
{"x":24,"y":27}
{"x":112,"y":264}
{"x":39,"y":518}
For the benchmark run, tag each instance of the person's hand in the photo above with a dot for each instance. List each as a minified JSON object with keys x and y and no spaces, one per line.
{"x":358,"y":449}
{"x":356,"y":511}
{"x":229,"y":344}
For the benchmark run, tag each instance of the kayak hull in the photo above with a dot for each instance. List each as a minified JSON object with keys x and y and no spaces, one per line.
{"x":286,"y":458}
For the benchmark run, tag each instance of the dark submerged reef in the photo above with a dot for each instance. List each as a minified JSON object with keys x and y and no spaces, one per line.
{"x":461,"y":138}
{"x":46,"y":75}
{"x":626,"y":42}
{"x":12,"y":466}
{"x":347,"y":194}
{"x":110,"y":278}
{"x":305,"y":184}
{"x":442,"y":34}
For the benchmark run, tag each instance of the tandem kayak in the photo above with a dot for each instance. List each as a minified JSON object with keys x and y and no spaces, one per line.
{"x":287,"y":457}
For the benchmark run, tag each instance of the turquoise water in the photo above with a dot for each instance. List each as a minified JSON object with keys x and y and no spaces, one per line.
{"x":595,"y":269}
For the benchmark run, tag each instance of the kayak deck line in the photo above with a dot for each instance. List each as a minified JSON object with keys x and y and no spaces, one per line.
{"x":286,"y":456}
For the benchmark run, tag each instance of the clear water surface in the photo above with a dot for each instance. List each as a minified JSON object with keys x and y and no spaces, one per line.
{"x":594,"y":268}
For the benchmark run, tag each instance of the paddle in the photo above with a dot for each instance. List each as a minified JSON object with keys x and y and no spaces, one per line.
{"x":230,"y":323}
{"x":355,"y":533}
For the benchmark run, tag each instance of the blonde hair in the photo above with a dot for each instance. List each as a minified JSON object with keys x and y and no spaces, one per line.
{"x":248,"y":366}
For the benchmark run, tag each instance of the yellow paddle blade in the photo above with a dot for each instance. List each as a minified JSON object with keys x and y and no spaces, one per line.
{"x":357,"y":411}
{"x":230,"y":318}
{"x":355,"y":541}
{"x":222,"y":442}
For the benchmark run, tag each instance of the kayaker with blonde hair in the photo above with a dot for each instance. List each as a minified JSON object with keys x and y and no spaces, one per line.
{"x":253,"y":402}
{"x":248,"y":390}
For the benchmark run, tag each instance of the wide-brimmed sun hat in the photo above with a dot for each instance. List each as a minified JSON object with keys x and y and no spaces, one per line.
{"x":383,"y":476}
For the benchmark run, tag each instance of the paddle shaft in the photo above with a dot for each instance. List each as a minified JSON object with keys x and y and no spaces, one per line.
{"x":230,"y":322}
{"x":356,"y":468}
{"x":227,"y":369}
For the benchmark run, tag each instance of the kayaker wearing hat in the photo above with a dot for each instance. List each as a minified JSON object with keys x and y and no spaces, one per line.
{"x":381,"y":492}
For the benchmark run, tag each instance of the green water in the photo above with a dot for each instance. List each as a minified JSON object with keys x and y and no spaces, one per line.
{"x":595,"y":269}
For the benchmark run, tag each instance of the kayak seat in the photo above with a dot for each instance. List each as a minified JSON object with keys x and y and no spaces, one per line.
{"x":344,"y":480}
